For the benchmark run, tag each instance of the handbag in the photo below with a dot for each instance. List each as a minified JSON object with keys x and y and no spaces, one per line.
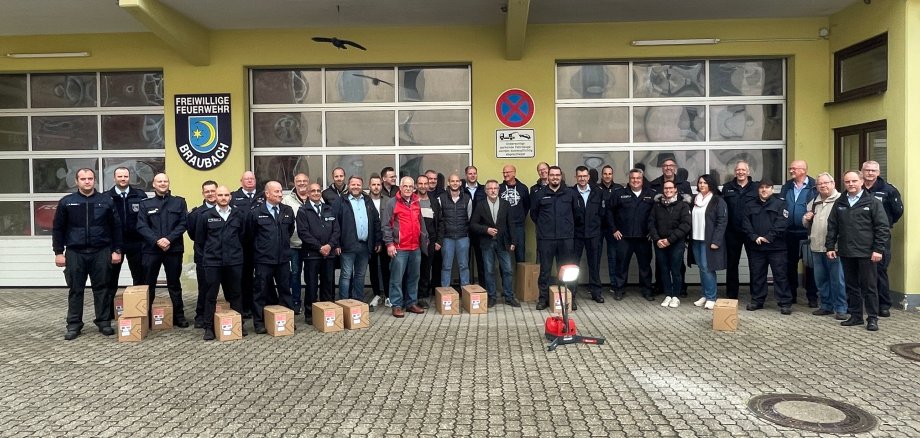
{"x":808,"y":257}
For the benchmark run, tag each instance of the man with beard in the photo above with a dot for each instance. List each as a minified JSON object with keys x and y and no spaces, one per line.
{"x":553,"y":212}
{"x":337,"y":188}
{"x":359,"y":237}
{"x":607,"y":186}
{"x":209,"y":195}
{"x":127,"y":203}
{"x":380,"y":261}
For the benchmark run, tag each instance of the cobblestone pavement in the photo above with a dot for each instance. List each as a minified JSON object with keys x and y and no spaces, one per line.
{"x":663,"y":372}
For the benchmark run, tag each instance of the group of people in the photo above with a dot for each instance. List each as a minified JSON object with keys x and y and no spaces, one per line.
{"x":411,"y":236}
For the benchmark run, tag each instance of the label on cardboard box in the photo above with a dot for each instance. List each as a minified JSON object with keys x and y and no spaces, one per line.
{"x":125,"y":326}
{"x":558,"y":305}
{"x":158,"y":316}
{"x":474,"y":301}
{"x":329,"y":317}
{"x":280,"y":321}
{"x":448,"y":303}
{"x":356,"y":315}
{"x":226,"y":326}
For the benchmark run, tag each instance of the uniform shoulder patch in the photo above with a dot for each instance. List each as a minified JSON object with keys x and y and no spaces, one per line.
{"x":786,"y":213}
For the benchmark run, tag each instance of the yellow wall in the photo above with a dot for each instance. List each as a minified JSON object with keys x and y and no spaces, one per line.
{"x":232,"y":52}
{"x":858,"y":23}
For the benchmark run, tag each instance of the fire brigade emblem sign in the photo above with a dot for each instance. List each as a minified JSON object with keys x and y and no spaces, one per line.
{"x":203,"y":133}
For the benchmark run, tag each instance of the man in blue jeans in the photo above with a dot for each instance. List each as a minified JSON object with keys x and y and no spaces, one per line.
{"x":828,"y":272}
{"x":359,"y":236}
{"x":491,"y":222}
{"x":454,"y":231}
{"x":405,"y":237}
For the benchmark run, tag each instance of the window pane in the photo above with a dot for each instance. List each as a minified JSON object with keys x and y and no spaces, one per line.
{"x":14,"y":218}
{"x":133,"y":131}
{"x":283,"y":169}
{"x":360,"y":128}
{"x":746,"y":122}
{"x":849,"y":152}
{"x":60,"y":133}
{"x":762,"y":163}
{"x":287,"y":129}
{"x":286,"y":87}
{"x":63,"y":90}
{"x":142,"y":171}
{"x":594,"y":125}
{"x":671,"y":79}
{"x":690,"y":164}
{"x":746,"y":78}
{"x":364,"y":86}
{"x":15,"y":176}
{"x":669,"y":123}
{"x":56,"y":175}
{"x":878,"y":150}
{"x":434,"y":127}
{"x":414,"y":164}
{"x":44,"y":217}
{"x":867,"y":68}
{"x":568,"y":161}
{"x":434,"y":84}
{"x":363,"y":165}
{"x":14,"y":133}
{"x":12,"y":91}
{"x":132,"y":89}
{"x":592,"y":81}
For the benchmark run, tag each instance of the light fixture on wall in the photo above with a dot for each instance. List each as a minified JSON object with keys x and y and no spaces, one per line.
{"x":678,"y":42}
{"x":48,"y":55}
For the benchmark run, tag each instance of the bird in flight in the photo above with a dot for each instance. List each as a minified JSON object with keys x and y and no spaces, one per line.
{"x":339,"y":44}
{"x":374,"y":81}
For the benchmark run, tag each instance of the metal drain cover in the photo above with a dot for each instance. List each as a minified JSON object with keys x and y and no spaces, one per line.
{"x":908,"y":351}
{"x":817,"y":414}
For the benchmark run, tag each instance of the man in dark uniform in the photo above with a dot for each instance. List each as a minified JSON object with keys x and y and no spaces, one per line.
{"x":127,"y":203}
{"x":765,"y":225}
{"x":162,"y":221}
{"x":553,"y":212}
{"x":268,"y":235}
{"x":607,"y":187}
{"x":219,"y":230}
{"x":88,"y":229}
{"x":247,"y":198}
{"x":209,"y":195}
{"x":337,"y":188}
{"x":628,"y":214}
{"x":894,"y":209}
{"x":589,"y":216}
{"x":318,"y":230}
{"x":738,"y":193}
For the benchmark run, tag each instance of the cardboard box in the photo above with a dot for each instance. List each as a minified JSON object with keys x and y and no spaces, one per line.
{"x":135,"y":301}
{"x":555,"y":299}
{"x":228,"y":325}
{"x":327,"y":317}
{"x":725,"y":315}
{"x":222,"y":306}
{"x":119,"y":304}
{"x":475,"y":299}
{"x":161,"y":315}
{"x":356,"y":314}
{"x":132,"y":329}
{"x":526,"y":277}
{"x":279,"y":320}
{"x":448,"y":301}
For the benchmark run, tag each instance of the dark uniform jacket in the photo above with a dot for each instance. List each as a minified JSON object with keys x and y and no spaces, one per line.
{"x":629,"y":213}
{"x":86,"y":224}
{"x":348,"y":230}
{"x":608,"y":192}
{"x":163,"y":216}
{"x":193,"y":217}
{"x":238,"y":199}
{"x":590,"y":217}
{"x":316,"y":230}
{"x":127,"y":209}
{"x":860,"y":230}
{"x":454,"y":220}
{"x":222,"y":241}
{"x":330,"y":194}
{"x":482,"y":221}
{"x":767,"y":219}
{"x":270,"y":238}
{"x":518,"y":197}
{"x":737,"y":199}
{"x":553,"y":212}
{"x":891,"y":200}
{"x":669,"y":221}
{"x":683,"y":187}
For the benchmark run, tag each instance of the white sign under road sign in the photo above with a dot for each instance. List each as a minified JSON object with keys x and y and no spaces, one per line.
{"x":514,"y":143}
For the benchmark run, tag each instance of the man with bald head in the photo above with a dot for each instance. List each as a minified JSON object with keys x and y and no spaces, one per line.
{"x":797,"y":193}
{"x":161,"y":222}
{"x":269,"y":227}
{"x":246,"y":198}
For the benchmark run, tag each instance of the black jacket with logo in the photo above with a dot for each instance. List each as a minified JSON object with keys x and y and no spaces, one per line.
{"x":738,"y":198}
{"x":86,"y":223}
{"x":127,"y":209}
{"x":163,"y":216}
{"x":628,"y":213}
{"x":270,"y":238}
{"x":590,"y":217}
{"x":767,"y":219}
{"x":860,"y":230}
{"x":222,"y":241}
{"x":891,"y":200}
{"x":193,"y":217}
{"x":316,"y":230}
{"x":553,"y":212}
{"x":239,"y":199}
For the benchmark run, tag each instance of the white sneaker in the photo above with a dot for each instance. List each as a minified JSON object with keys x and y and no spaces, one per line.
{"x":667,"y":300}
{"x":700,"y":302}
{"x":387,"y":303}
{"x":375,"y":302}
{"x":674,"y":302}
{"x":710,"y":305}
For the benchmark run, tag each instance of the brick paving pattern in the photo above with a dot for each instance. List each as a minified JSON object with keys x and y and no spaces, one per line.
{"x":663,"y":372}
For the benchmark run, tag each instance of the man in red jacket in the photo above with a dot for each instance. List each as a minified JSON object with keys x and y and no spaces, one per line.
{"x":405,"y":237}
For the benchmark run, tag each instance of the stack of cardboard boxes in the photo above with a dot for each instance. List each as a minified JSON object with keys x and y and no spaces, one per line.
{"x":133,"y":321}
